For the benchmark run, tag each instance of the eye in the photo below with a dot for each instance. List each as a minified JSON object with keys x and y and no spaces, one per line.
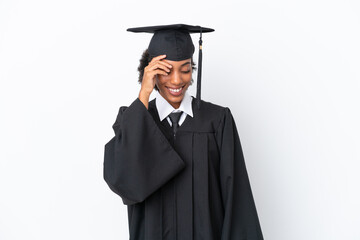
{"x":185,"y":71}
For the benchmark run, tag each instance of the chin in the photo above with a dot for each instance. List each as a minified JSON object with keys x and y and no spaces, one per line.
{"x":176,"y":99}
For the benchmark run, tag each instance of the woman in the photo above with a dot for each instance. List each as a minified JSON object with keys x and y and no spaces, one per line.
{"x":177,"y":166}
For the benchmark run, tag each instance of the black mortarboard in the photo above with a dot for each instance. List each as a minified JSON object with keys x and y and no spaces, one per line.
{"x":175,"y":41}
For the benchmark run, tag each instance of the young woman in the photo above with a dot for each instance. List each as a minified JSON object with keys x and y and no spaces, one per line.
{"x":176,"y":161}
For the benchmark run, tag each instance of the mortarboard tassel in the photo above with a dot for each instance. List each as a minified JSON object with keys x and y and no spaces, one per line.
{"x":198,"y":88}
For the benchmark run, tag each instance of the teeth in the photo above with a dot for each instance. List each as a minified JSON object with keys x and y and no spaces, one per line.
{"x":175,"y":90}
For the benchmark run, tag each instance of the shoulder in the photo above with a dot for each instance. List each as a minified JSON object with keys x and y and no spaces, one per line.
{"x":136,"y":108}
{"x":212,"y":112}
{"x":136,"y":104}
{"x":212,"y":109}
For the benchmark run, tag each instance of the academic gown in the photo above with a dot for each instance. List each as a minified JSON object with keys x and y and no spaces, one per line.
{"x":191,"y":187}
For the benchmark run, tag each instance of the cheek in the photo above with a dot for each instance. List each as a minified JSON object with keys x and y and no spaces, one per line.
{"x":187,"y":77}
{"x":161,"y":79}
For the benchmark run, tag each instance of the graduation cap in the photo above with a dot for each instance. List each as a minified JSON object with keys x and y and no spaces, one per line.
{"x":174,"y":40}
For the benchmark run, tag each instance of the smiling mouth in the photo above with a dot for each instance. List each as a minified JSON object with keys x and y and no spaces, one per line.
{"x":175,"y":90}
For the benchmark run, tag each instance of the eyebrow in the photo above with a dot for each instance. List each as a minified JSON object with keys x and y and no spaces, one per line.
{"x":185,"y":63}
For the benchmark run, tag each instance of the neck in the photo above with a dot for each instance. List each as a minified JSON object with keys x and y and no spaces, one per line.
{"x":175,"y":105}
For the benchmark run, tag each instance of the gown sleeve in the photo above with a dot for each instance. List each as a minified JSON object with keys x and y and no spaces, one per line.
{"x":139,"y":159}
{"x":240,"y":216}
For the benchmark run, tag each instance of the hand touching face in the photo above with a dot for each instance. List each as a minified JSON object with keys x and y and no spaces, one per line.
{"x":155,"y":67}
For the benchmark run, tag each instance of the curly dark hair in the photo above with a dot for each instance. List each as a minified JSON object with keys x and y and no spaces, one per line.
{"x":144,"y":61}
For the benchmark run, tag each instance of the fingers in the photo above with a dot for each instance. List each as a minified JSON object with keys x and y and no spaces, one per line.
{"x":155,"y":67}
{"x":159,"y":65}
{"x":165,"y":64}
{"x":158,"y":71}
{"x":159,"y":59}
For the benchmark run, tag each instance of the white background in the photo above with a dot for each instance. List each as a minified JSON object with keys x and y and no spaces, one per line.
{"x":288,"y":70}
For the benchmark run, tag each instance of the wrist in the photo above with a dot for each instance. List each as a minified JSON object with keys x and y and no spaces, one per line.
{"x":144,"y":93}
{"x":144,"y":98}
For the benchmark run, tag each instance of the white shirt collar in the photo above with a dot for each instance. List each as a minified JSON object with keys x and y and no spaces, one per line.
{"x":164,"y":108}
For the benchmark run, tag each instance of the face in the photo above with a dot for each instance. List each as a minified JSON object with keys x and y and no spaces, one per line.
{"x":178,"y":79}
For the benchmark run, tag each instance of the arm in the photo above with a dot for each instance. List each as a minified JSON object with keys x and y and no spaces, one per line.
{"x":240,"y":218}
{"x":139,"y":159}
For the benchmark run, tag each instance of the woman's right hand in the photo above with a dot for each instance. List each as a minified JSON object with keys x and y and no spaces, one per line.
{"x":155,"y":66}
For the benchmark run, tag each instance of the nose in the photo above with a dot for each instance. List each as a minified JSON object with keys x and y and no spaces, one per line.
{"x":175,"y":78}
